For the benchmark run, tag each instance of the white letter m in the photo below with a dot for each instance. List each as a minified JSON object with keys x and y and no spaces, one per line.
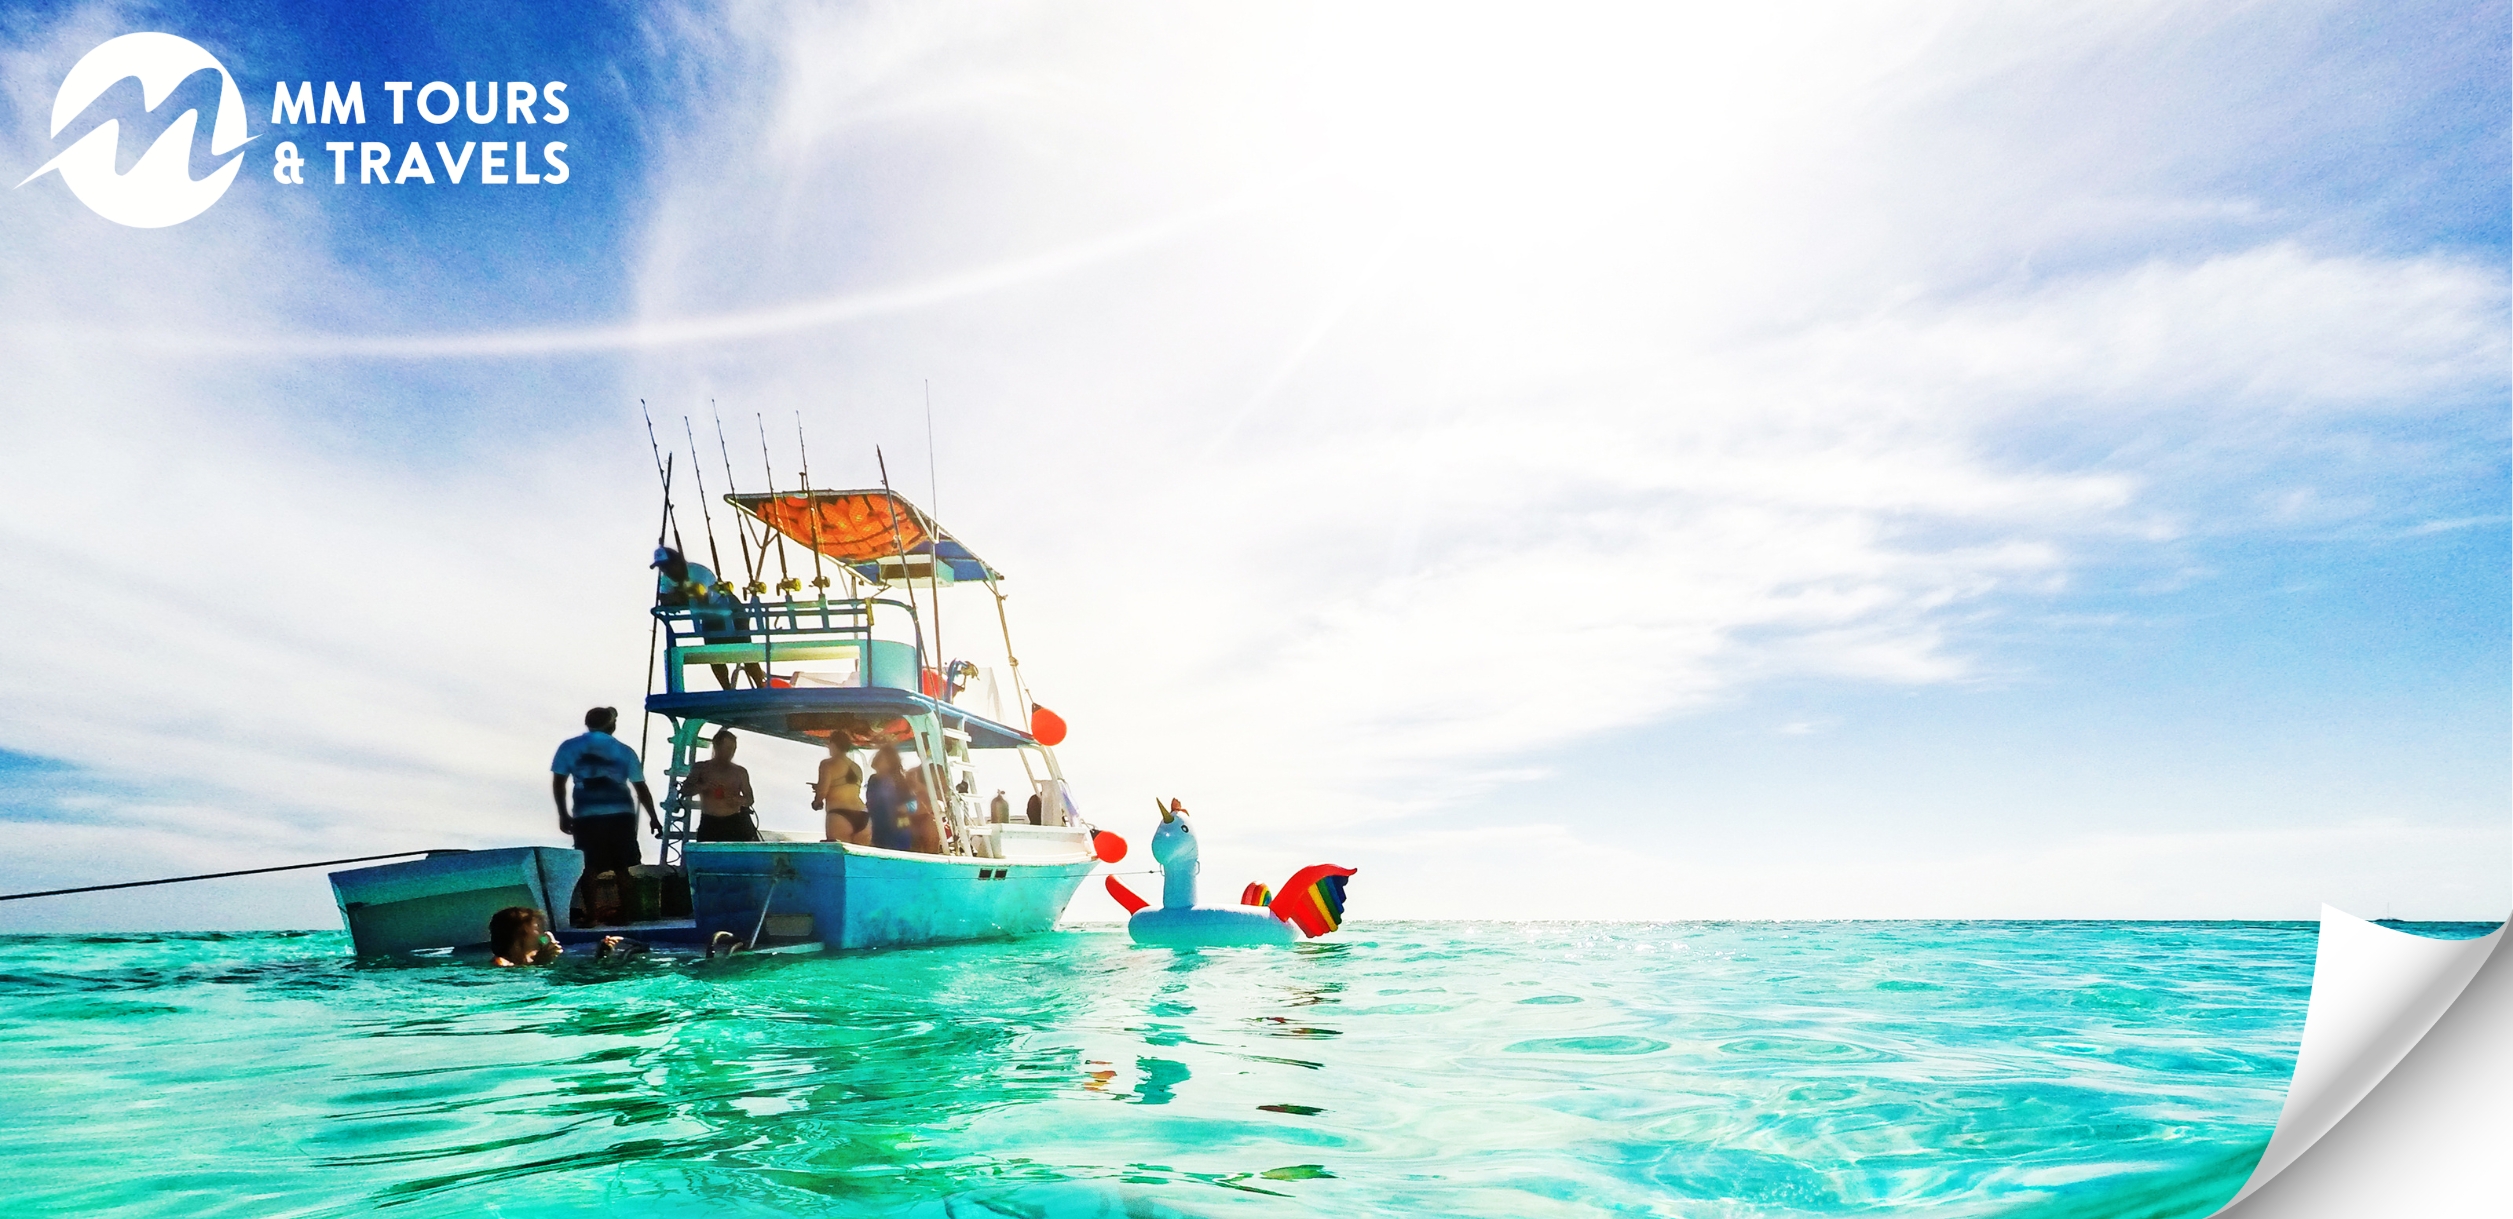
{"x":299,"y":109}
{"x":333,"y":105}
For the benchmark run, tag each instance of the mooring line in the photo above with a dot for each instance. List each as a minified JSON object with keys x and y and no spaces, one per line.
{"x":174,"y":880}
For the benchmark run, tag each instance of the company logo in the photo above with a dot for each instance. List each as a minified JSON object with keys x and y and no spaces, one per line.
{"x":160,"y":190}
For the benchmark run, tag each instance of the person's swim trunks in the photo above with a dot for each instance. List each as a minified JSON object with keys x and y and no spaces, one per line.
{"x":740,"y":827}
{"x":609,"y":842}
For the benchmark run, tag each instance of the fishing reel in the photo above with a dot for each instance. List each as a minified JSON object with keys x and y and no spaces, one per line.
{"x":789,"y":585}
{"x":754,"y":590}
{"x":821,"y":583}
{"x":721,"y":589}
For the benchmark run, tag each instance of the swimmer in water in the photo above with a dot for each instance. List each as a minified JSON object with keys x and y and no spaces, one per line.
{"x":517,"y":938}
{"x":515,"y":934}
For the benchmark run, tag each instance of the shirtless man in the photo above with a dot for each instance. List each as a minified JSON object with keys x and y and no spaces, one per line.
{"x":724,"y":795}
{"x":840,"y":796}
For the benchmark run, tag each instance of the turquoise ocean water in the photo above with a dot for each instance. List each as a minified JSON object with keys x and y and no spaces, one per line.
{"x":1692,"y":1069}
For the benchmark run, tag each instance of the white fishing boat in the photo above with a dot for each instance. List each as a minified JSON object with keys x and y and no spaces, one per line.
{"x":865,"y":668}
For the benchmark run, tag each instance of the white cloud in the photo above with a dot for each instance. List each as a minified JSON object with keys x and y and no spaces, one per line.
{"x":1366,"y":409}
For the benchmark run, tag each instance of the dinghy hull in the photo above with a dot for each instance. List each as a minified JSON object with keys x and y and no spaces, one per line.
{"x":445,"y":900}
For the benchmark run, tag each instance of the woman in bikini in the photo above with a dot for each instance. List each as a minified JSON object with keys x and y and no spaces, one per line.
{"x":839,"y":794}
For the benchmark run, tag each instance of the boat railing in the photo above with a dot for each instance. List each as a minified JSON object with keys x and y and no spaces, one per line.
{"x":831,"y":642}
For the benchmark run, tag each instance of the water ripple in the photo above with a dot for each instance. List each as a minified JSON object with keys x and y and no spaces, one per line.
{"x":1696,"y":1069}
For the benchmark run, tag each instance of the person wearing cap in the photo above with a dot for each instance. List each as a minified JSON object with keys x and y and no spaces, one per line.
{"x":609,"y":783}
{"x":718,"y":613}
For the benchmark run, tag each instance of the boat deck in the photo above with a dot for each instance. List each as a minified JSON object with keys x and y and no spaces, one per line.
{"x":658,"y":931}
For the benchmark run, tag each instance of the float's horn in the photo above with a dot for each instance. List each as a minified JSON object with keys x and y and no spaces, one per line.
{"x":1164,"y":809}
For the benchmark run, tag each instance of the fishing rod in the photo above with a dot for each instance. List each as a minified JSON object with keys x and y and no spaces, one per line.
{"x":175,"y":880}
{"x":662,"y":470}
{"x":754,"y":589}
{"x":654,"y":625}
{"x":819,"y":580}
{"x":713,"y":555}
{"x":787,"y":584}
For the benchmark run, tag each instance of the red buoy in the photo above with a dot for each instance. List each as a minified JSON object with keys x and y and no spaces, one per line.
{"x":1109,"y":847}
{"x":1047,"y":726}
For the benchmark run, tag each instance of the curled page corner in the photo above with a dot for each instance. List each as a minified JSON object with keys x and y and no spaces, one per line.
{"x":2375,"y":992}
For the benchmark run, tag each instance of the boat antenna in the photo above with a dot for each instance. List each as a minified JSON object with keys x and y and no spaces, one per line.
{"x":890,"y":504}
{"x":819,"y":580}
{"x":786,"y":583}
{"x":933,"y":503}
{"x":933,"y":485}
{"x":750,"y":570}
{"x":713,"y":555}
{"x":890,"y":500}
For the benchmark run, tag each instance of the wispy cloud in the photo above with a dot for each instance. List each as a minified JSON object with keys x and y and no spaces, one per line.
{"x":1373,"y":414}
{"x":641,"y":334}
{"x":2423,"y":528}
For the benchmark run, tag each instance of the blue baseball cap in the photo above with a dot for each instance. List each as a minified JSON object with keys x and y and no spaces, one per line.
{"x":663,"y":555}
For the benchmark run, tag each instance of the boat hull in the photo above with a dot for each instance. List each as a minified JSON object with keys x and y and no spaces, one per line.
{"x":445,"y":900}
{"x":844,"y":896}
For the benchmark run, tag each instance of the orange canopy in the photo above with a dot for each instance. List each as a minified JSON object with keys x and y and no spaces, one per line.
{"x":869,"y":531}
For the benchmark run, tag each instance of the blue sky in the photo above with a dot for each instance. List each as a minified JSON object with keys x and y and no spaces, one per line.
{"x":1928,"y":460}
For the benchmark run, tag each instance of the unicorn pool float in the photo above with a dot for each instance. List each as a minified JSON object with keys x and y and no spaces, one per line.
{"x":1310,"y":905}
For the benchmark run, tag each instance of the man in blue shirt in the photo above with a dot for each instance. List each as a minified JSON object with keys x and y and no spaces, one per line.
{"x":609,"y":785}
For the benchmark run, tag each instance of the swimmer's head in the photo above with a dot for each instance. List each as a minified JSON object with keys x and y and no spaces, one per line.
{"x":513,"y":923}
